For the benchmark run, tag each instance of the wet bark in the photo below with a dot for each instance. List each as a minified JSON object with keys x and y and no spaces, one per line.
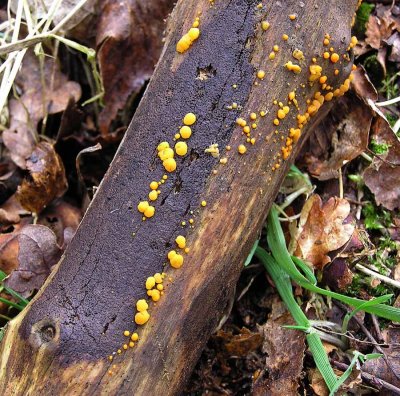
{"x":60,"y":343}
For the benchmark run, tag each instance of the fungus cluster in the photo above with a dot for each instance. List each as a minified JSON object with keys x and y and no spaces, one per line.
{"x":189,"y":38}
{"x":288,"y":121}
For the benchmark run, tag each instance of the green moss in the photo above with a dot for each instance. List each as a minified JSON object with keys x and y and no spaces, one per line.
{"x":362,"y":17}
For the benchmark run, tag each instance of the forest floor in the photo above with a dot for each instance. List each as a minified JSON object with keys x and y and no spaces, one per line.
{"x":341,"y":199}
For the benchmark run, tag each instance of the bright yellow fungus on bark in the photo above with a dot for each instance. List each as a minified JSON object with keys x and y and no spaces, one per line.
{"x":155,"y":295}
{"x":203,"y":203}
{"x":292,"y":95}
{"x":242,"y":122}
{"x":271,"y":56}
{"x":125,"y":346}
{"x":134,"y":336}
{"x":153,"y":195}
{"x":253,"y":116}
{"x":185,"y":132}
{"x":131,"y":344}
{"x":180,"y":241}
{"x":285,"y":37}
{"x":160,"y":287}
{"x":153,"y":185}
{"x":162,"y":146}
{"x":293,"y":67}
{"x":265,"y":25}
{"x":281,"y":114}
{"x":171,"y":254}
{"x":126,"y":333}
{"x":169,"y":164}
{"x":150,"y":282}
{"x":275,"y":48}
{"x":261,"y":74}
{"x":335,"y":57}
{"x":242,"y":149}
{"x":142,"y":305}
{"x":142,"y":317}
{"x":176,"y":260}
{"x":189,"y":119}
{"x":292,"y":17}
{"x":166,"y":153}
{"x":327,"y":55}
{"x":149,"y":212}
{"x":194,"y":33}
{"x":143,"y":205}
{"x":181,"y":148}
{"x":158,"y":277}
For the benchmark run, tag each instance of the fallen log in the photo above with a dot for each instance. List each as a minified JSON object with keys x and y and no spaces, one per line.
{"x":232,"y":79}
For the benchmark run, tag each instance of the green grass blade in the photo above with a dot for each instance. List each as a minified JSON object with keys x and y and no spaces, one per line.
{"x":321,"y":360}
{"x":251,"y":254}
{"x":307,"y":271}
{"x":23,"y":301}
{"x":282,"y":283}
{"x":279,"y":251}
{"x":11,"y":304}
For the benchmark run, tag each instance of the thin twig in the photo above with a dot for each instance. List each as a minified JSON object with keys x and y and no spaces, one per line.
{"x":377,"y":275}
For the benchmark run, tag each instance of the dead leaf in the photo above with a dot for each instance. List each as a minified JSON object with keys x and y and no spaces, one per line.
{"x":47,"y":179}
{"x":37,"y":252}
{"x":10,"y":212}
{"x":378,"y":367}
{"x":285,"y":349}
{"x":378,"y":30}
{"x":337,"y":275}
{"x":129,"y":42}
{"x":63,"y":219}
{"x":322,"y":229}
{"x":382,"y":176}
{"x":241,"y":344}
{"x":317,"y":382}
{"x":343,"y":134}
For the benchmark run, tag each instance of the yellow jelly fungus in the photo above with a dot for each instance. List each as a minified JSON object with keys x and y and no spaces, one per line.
{"x":265,"y":25}
{"x":155,"y":295}
{"x":275,"y":48}
{"x":119,"y":351}
{"x":286,"y":109}
{"x":271,"y":56}
{"x":295,"y":134}
{"x":131,"y":344}
{"x":176,"y":261}
{"x":329,"y":96}
{"x":246,"y":129}
{"x":150,"y":282}
{"x":162,"y":146}
{"x":298,"y":54}
{"x":234,"y":105}
{"x":134,"y":336}
{"x":169,"y":164}
{"x":203,"y":203}
{"x":292,"y":95}
{"x":153,"y":185}
{"x":180,"y":241}
{"x":185,"y":132}
{"x":285,"y":37}
{"x":254,"y":125}
{"x":189,"y":119}
{"x":160,"y":287}
{"x":326,"y":55}
{"x":194,"y":33}
{"x":262,"y":113}
{"x":253,"y":116}
{"x":293,"y":67}
{"x":125,"y":346}
{"x":241,"y":122}
{"x":252,"y":141}
{"x":142,"y":305}
{"x":177,"y":136}
{"x":110,"y":358}
{"x":126,"y":333}
{"x":323,"y":79}
{"x":223,"y":161}
{"x":292,"y":17}
{"x":158,"y":277}
{"x":326,"y":41}
{"x":143,"y":206}
{"x":242,"y":149}
{"x":261,"y":74}
{"x":191,"y":221}
{"x":153,"y":195}
{"x":181,"y":148}
{"x":149,"y":212}
{"x":166,"y":153}
{"x":315,"y":73}
{"x":335,"y":57}
{"x":281,"y":114}
{"x":276,"y":122}
{"x":142,"y":317}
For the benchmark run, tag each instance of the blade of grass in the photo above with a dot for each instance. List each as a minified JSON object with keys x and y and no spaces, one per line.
{"x":279,"y":251}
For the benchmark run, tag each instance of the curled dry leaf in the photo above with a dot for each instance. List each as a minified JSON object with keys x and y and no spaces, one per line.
{"x":20,"y":138}
{"x":10,"y":212}
{"x":240,"y":344}
{"x":343,"y":134}
{"x":35,"y":250}
{"x":129,"y":42}
{"x":379,"y":367}
{"x":46,"y":179}
{"x":285,"y":349}
{"x":322,"y":229}
{"x":382,"y":176}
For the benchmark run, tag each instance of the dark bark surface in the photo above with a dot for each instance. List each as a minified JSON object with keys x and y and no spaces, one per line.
{"x":60,"y":343}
